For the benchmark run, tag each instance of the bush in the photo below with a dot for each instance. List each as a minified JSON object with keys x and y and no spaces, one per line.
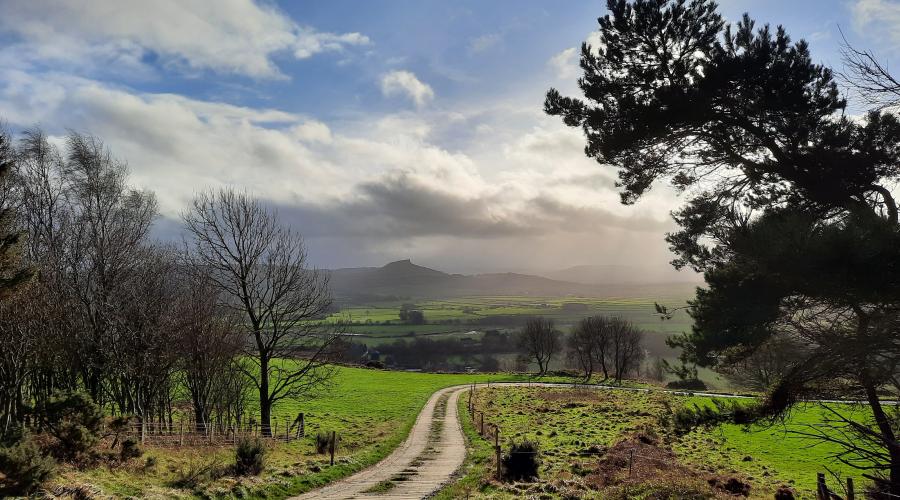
{"x":130,"y":449}
{"x":323,"y":442}
{"x":249,"y":457}
{"x":691,"y":384}
{"x":74,"y":420}
{"x":23,"y":467}
{"x":521,"y":462}
{"x":687,"y":418}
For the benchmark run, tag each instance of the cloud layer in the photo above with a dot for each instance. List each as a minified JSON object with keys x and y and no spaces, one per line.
{"x":482,"y":184}
{"x":384,"y":182}
{"x":228,"y":36}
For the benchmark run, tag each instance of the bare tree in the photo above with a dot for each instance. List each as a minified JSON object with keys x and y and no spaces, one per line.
{"x":106,"y":234}
{"x":210,"y":343}
{"x":869,"y":77}
{"x":144,"y":348}
{"x":626,"y":349}
{"x":260,"y":266}
{"x":539,"y":340}
{"x":589,"y":345}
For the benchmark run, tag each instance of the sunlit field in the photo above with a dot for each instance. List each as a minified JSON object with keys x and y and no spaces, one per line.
{"x":576,"y":428}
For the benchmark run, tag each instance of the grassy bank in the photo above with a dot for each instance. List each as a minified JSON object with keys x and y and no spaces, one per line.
{"x":371,"y":410}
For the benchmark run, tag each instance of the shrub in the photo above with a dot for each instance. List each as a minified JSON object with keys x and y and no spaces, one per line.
{"x":116,"y":426}
{"x":249,"y":457}
{"x":521,"y":462}
{"x":323,"y":442}
{"x":686,"y":419}
{"x":23,"y":467}
{"x":74,"y":420}
{"x":130,"y":449}
{"x":691,"y":384}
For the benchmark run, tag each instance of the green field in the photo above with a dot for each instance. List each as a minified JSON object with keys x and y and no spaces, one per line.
{"x":480,"y":310}
{"x":371,"y":410}
{"x":377,"y":323}
{"x":572,"y":425}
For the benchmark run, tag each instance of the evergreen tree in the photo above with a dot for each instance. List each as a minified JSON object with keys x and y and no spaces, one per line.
{"x":789,"y":211}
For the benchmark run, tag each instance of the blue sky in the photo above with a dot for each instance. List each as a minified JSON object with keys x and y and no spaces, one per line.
{"x":380,"y":129}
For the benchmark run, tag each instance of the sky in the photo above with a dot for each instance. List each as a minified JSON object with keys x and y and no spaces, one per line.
{"x":380,"y":129}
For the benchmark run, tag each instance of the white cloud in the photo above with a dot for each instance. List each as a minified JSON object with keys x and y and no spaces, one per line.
{"x":878,"y":17}
{"x":565,"y":63}
{"x":405,"y":83}
{"x":593,"y":40}
{"x":227,"y":36}
{"x":375,"y":189}
{"x":484,"y":42}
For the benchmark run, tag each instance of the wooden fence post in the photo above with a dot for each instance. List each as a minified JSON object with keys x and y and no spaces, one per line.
{"x":333,"y":439}
{"x":181,"y":433}
{"x":851,"y":495}
{"x":630,"y":461}
{"x":821,"y":487}
{"x":481,"y":422}
{"x":301,"y":429}
{"x":497,"y":451}
{"x":287,"y":431}
{"x":143,"y":430}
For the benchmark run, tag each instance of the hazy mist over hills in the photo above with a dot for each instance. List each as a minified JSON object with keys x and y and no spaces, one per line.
{"x":405,"y":279}
{"x":616,"y":274}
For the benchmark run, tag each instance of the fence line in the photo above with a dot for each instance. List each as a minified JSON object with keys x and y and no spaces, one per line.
{"x":192,"y":433}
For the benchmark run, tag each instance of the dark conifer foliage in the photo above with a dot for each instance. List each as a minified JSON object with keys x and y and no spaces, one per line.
{"x":789,"y":208}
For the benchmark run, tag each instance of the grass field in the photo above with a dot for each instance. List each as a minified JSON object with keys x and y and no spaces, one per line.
{"x":469,"y":317}
{"x":469,"y":310}
{"x":575,"y":427}
{"x":371,"y":410}
{"x":375,"y":324}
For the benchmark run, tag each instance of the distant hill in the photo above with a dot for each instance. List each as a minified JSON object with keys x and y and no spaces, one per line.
{"x":405,"y":279}
{"x":623,"y":275}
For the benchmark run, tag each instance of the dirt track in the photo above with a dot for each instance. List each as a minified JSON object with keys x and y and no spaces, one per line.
{"x":433,"y":451}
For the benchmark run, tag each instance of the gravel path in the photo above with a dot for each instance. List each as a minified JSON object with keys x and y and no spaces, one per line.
{"x":433,"y":451}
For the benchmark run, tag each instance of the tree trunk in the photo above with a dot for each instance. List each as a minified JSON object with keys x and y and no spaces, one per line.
{"x":887,"y":436}
{"x":200,"y":417}
{"x":265,"y":404}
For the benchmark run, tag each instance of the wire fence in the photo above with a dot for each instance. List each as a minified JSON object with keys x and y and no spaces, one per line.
{"x":193,"y":433}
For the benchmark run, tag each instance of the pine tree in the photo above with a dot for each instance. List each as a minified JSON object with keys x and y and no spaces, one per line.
{"x":790,"y":212}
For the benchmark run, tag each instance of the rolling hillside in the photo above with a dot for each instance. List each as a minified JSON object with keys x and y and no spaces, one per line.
{"x":405,"y":279}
